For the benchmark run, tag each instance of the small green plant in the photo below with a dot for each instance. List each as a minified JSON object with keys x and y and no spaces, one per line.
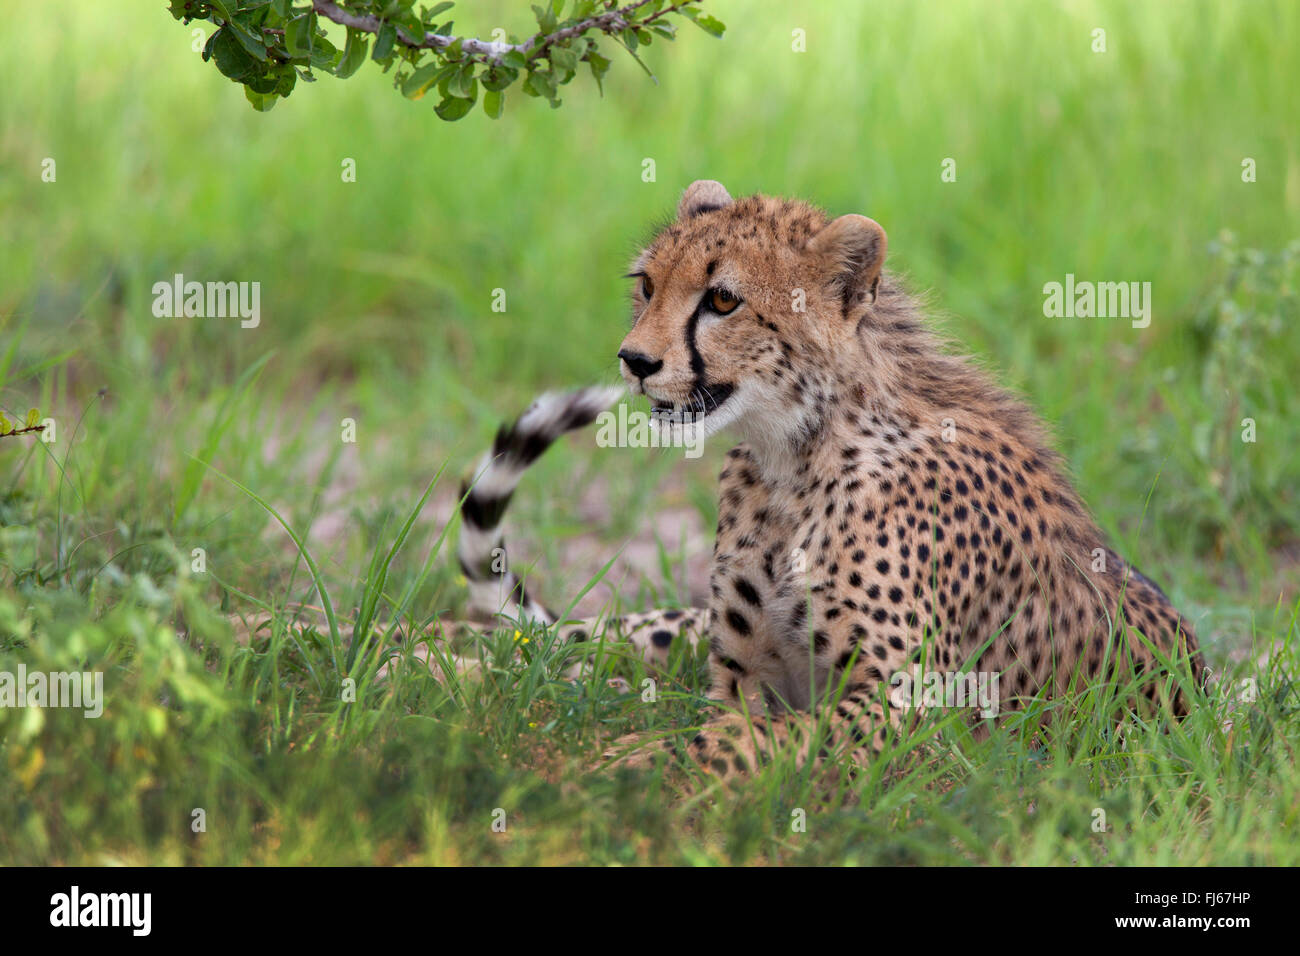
{"x":1235,"y":438}
{"x":32,"y":423}
{"x":268,"y":45}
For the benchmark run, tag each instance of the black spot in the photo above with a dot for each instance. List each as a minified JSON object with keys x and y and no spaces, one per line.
{"x":746,"y":591}
{"x":738,"y":622}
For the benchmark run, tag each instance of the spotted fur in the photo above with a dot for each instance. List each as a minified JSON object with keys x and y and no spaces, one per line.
{"x":889,"y":508}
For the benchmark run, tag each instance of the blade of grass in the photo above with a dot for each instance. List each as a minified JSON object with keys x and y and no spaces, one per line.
{"x":328,"y":605}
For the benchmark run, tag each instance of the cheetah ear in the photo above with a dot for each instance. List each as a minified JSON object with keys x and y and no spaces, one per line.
{"x":853,"y":251}
{"x":703,"y":195}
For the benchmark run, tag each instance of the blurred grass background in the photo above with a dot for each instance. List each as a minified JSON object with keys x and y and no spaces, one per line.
{"x":376,"y":295}
{"x":1121,"y":165}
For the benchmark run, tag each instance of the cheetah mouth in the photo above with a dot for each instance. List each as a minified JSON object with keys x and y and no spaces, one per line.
{"x":705,"y":400}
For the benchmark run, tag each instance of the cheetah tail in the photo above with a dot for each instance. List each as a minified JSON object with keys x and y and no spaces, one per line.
{"x":493,"y":588}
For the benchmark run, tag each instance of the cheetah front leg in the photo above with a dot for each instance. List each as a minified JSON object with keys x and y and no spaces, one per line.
{"x":853,"y":658}
{"x":652,"y":634}
{"x":736,"y":743}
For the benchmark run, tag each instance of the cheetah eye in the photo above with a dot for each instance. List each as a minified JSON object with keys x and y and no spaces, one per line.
{"x":647,"y":286}
{"x":722,"y":302}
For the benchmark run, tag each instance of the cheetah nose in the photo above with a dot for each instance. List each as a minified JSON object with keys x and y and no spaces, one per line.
{"x":642,"y":366}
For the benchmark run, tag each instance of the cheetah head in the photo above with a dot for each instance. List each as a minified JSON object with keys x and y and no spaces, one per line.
{"x":744,"y":313}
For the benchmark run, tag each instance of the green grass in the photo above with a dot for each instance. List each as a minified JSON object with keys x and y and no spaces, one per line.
{"x":376,"y":306}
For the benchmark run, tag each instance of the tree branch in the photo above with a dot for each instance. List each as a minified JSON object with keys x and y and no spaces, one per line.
{"x":22,"y":431}
{"x":611,"y":21}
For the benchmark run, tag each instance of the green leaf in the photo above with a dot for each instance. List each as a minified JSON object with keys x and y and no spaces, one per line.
{"x":494,"y":102}
{"x":462,"y":84}
{"x":641,"y":63}
{"x":438,"y":8}
{"x":231,"y":58}
{"x":324,"y":54}
{"x":354,"y":54}
{"x":287,"y":79}
{"x":282,"y":8}
{"x":515,"y":60}
{"x":563,"y":58}
{"x":263,"y":83}
{"x":34,"y":416}
{"x":545,"y":18}
{"x":418,"y":83}
{"x":262,"y":102}
{"x":249,"y":40}
{"x":412,"y":25}
{"x":541,"y":83}
{"x":599,"y":67}
{"x":711,"y":25}
{"x":298,"y":36}
{"x":384,"y":42}
{"x":453,"y":108}
{"x":497,"y":78}
{"x":5,"y":427}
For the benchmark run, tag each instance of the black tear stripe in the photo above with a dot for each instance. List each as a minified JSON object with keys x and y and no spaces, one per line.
{"x":702,"y":393}
{"x":697,"y":360}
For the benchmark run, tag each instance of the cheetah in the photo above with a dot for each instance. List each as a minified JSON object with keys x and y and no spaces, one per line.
{"x":888,"y":510}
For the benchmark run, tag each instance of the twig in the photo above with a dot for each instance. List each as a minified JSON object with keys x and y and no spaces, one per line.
{"x":611,"y":21}
{"x":23,"y":431}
